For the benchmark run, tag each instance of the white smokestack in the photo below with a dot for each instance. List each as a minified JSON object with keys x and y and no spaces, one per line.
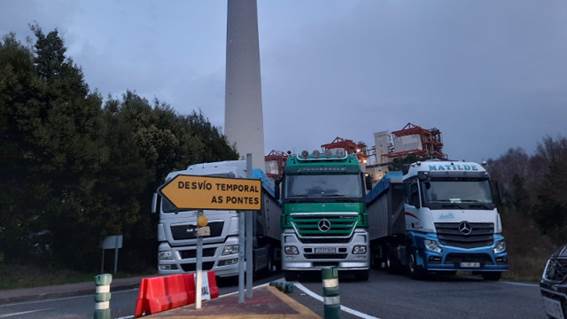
{"x":243,"y":121}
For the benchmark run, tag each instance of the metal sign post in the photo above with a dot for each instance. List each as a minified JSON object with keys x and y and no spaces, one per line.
{"x":249,"y":258}
{"x":249,"y":239}
{"x":199,"y":267}
{"x":111,"y":242}
{"x":241,"y":251}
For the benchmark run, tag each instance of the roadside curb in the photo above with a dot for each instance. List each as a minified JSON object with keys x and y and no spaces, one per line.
{"x":61,"y":291}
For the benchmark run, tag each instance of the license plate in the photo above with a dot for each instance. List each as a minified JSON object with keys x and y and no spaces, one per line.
{"x":470,"y":265}
{"x":325,"y":250}
{"x":204,"y":231}
{"x":553,"y":308}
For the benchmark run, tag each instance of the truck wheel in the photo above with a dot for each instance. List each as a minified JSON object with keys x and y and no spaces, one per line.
{"x":276,"y":261}
{"x":269,"y":266}
{"x":291,"y":275}
{"x":491,"y":276}
{"x":415,"y":271}
{"x":392,"y":264}
{"x":361,"y":275}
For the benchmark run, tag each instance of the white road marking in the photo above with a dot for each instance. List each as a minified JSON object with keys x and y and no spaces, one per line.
{"x":343,"y":308}
{"x":13,"y":314}
{"x":521,"y":284}
{"x":31,"y":302}
{"x":126,"y":317}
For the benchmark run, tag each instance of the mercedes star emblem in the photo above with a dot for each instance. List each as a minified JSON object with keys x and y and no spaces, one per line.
{"x":465,"y":228}
{"x":324,"y":225}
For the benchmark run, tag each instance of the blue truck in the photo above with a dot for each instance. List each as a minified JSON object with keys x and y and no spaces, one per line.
{"x":439,"y":216}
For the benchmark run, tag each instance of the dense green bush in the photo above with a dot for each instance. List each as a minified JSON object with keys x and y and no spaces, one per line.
{"x":533,"y":203}
{"x":75,"y":167}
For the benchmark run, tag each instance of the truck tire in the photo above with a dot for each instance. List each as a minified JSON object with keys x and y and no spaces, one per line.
{"x":361,"y":275}
{"x":389,"y":264}
{"x":415,"y":271}
{"x":392,"y":264}
{"x":291,"y":275}
{"x":491,"y":276}
{"x":276,"y":261}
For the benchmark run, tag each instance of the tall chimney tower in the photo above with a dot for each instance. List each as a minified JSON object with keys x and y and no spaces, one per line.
{"x":243,"y":121}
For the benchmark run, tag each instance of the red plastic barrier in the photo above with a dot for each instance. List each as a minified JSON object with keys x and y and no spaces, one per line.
{"x":157,"y":294}
{"x":213,"y":288}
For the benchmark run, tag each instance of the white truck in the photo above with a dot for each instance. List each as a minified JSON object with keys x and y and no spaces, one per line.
{"x":176,"y":236}
{"x":437,"y":217}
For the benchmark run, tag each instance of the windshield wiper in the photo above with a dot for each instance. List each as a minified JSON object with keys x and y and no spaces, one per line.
{"x":300,"y":195}
{"x":447,"y":203}
{"x":476,"y":202}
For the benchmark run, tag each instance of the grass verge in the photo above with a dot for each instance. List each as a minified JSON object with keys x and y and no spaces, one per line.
{"x":28,"y":276}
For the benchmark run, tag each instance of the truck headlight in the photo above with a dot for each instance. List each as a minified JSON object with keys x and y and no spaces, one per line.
{"x":165,"y":255}
{"x":359,"y":249}
{"x":230,"y":249}
{"x":551,"y":271}
{"x":167,"y":267}
{"x":432,"y":245}
{"x":291,"y":250}
{"x":500,"y":247}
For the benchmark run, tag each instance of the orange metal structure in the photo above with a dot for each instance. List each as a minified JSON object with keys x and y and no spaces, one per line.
{"x":349,"y":146}
{"x":275,"y":163}
{"x":431,"y":143}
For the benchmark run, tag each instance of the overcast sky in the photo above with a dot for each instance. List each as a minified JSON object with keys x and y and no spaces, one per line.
{"x":490,"y":74}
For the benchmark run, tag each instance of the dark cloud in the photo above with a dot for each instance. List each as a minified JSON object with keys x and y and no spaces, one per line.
{"x":489,"y":74}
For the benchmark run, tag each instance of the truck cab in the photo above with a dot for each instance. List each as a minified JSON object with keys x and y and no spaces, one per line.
{"x":176,"y":236}
{"x":448,"y":217}
{"x":324,"y":220}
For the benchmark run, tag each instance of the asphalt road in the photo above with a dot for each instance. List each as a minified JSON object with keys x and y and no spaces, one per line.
{"x":395,"y":296}
{"x":122,"y":304}
{"x":383,"y":296}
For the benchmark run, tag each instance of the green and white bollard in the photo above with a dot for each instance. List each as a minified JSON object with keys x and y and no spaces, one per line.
{"x":332,"y":299}
{"x":102,"y":297}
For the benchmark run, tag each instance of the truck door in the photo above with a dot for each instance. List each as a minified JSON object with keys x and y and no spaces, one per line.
{"x":412,"y":205}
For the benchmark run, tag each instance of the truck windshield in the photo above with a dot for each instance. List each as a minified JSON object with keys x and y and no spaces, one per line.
{"x":339,"y":186}
{"x":457,"y":193}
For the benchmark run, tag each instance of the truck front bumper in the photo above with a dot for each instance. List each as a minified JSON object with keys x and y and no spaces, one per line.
{"x":309,"y":259}
{"x":478,"y":259}
{"x":183,"y":259}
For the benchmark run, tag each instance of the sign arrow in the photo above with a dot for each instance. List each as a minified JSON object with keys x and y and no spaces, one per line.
{"x":213,"y":193}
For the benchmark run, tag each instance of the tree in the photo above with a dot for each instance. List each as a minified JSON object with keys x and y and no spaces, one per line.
{"x":75,"y":169}
{"x":549,"y":210}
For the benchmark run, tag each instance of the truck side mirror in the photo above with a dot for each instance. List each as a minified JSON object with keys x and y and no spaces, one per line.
{"x":277,"y":189}
{"x":155,"y":199}
{"x":497,"y":193}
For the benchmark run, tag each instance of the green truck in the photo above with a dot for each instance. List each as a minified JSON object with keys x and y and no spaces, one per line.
{"x":324,"y":219}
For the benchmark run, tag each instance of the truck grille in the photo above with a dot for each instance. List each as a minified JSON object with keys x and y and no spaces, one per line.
{"x":192,"y":253}
{"x":181,"y":232}
{"x":339,"y":225}
{"x":557,"y":269}
{"x":191,"y":267}
{"x":481,"y":234}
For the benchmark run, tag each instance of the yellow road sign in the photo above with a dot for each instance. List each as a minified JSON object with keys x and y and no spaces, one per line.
{"x":205,"y":192}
